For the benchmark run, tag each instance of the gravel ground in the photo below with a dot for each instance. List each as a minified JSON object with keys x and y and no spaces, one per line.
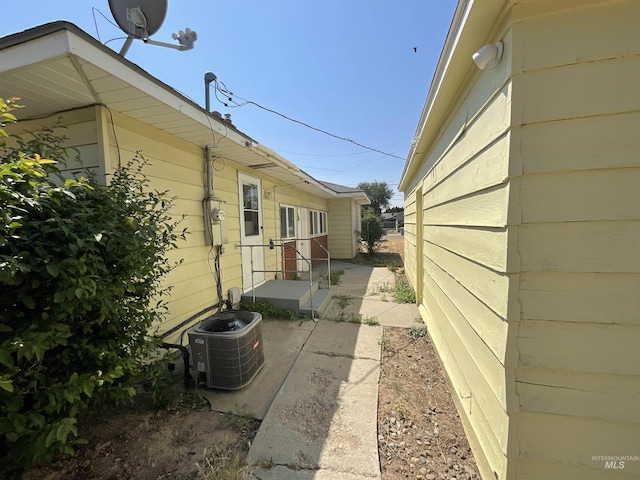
{"x":420,"y":434}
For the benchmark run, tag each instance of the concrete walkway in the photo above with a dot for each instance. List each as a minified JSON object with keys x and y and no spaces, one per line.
{"x":322,"y":423}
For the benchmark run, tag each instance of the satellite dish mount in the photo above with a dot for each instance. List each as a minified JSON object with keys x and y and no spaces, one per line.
{"x":140,"y":19}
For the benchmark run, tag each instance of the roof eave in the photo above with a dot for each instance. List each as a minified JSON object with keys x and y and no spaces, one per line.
{"x":470,"y":24}
{"x":64,"y":40}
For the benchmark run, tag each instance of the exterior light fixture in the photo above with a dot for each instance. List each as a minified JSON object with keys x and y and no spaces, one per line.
{"x":488,"y":56}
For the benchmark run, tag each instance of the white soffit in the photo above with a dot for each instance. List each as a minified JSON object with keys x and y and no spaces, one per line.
{"x":57,"y":67}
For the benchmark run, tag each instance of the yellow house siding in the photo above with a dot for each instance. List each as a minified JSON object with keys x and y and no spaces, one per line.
{"x":612,"y":142}
{"x":580,"y":246}
{"x":178,"y":166}
{"x":531,"y":225}
{"x":469,"y":389}
{"x":580,"y":393}
{"x":546,"y":431}
{"x":581,"y":297}
{"x":410,"y":248}
{"x":529,"y":469}
{"x":356,"y":220}
{"x":466,"y":282}
{"x":341,"y":224}
{"x":578,"y":118}
{"x":578,"y":196}
{"x":275,"y":194}
{"x":579,"y":28}
{"x":77,"y":128}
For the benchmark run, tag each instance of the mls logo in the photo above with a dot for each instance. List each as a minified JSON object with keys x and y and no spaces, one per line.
{"x":617,"y":465}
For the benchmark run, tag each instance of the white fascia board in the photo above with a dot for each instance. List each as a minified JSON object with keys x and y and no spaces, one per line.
{"x":90,"y":53}
{"x":38,"y":50}
{"x":361,"y":199}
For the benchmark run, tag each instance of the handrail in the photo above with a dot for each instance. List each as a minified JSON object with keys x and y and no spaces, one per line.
{"x":309,"y":261}
{"x":273,"y":245}
{"x":315,"y":239}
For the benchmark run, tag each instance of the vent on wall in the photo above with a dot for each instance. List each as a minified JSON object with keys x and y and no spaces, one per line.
{"x":227,"y":349}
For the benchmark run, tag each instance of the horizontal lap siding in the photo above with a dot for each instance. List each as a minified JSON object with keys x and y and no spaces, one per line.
{"x":578,"y":379}
{"x":410,"y":249}
{"x":78,"y":131}
{"x":178,"y":168}
{"x":341,"y":228}
{"x":465,"y":280}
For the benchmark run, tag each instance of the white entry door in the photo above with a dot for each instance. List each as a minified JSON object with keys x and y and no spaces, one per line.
{"x":302,"y":232}
{"x":250,"y":189}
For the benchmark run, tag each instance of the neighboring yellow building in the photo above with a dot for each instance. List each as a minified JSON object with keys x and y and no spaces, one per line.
{"x":111,"y":109}
{"x":522,"y":234}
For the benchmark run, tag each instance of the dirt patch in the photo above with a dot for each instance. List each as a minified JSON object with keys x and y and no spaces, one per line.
{"x":390,"y":253}
{"x":181,"y":442}
{"x":420,"y":434}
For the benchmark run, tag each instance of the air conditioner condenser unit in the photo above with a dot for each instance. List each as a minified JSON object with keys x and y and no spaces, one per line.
{"x":226,"y":348}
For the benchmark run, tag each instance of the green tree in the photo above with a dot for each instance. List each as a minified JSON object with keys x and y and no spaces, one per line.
{"x":81,"y":268}
{"x":372,"y":231}
{"x":379,"y":193}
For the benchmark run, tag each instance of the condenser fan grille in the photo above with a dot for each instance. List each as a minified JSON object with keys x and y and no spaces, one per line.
{"x":227,"y":348}
{"x":235,"y":361}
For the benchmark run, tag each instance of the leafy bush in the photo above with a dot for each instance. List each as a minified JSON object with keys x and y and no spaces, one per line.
{"x":372,"y":231}
{"x":418,"y":332}
{"x":335,"y":276}
{"x":80,"y":265}
{"x":403,"y":293}
{"x":270,"y":311}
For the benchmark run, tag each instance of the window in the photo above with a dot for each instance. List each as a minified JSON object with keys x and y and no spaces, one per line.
{"x":287,"y":222}
{"x":317,"y":222}
{"x":251,"y":209}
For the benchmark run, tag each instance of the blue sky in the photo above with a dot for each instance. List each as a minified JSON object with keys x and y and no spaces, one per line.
{"x":344,"y":66}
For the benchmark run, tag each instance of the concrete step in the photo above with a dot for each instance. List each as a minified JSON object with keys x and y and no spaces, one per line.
{"x":320,"y":301}
{"x":288,"y":294}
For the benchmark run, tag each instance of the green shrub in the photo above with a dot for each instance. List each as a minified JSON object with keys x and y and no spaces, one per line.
{"x":372,"y":231}
{"x":270,"y":311}
{"x":403,"y":293}
{"x":80,"y":287}
{"x":418,"y":332}
{"x":335,"y":276}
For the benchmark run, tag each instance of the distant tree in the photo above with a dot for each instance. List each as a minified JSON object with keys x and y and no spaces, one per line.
{"x":394,"y":210}
{"x":379,"y":193}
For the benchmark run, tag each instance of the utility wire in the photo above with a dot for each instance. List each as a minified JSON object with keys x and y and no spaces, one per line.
{"x":344,"y":169}
{"x":221,"y":88}
{"x":95,"y":22}
{"x":337,"y":154}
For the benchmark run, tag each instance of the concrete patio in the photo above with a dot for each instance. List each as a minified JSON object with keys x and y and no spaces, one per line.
{"x":317,"y":393}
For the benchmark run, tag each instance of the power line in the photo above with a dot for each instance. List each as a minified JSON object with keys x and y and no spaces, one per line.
{"x":339,"y":154}
{"x":344,"y":169}
{"x":229,"y":99}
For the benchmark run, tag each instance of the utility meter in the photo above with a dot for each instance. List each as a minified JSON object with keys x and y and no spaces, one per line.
{"x":215,"y":228}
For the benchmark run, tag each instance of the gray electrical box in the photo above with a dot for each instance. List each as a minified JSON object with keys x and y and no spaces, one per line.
{"x":215,"y":223}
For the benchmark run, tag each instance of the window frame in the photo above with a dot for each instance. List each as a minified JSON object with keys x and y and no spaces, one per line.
{"x":317,"y":223}
{"x":287,"y":219}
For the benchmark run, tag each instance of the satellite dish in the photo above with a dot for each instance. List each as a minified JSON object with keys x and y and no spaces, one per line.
{"x":139,"y":18}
